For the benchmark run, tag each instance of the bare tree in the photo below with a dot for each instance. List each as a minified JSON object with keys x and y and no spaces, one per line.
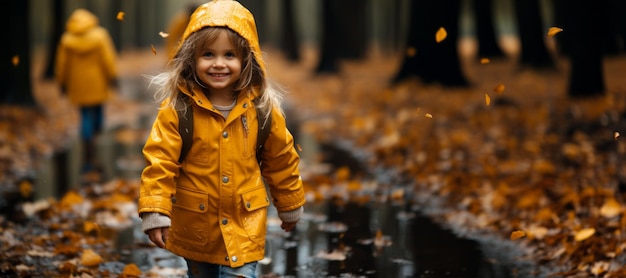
{"x":432,"y":61}
{"x":15,"y":87}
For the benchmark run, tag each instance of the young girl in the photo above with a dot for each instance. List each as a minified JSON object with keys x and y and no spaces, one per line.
{"x":211,"y":208}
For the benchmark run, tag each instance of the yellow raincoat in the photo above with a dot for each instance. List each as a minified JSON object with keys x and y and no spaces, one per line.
{"x":85,"y":60}
{"x":216,"y":198}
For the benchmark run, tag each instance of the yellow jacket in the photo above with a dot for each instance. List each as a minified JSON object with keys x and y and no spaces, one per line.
{"x":85,"y":60}
{"x":216,"y":198}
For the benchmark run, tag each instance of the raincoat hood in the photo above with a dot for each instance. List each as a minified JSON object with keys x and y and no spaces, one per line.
{"x":230,"y":14}
{"x":83,"y":32}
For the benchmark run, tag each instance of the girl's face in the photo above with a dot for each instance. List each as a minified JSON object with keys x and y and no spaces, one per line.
{"x":217,"y":65}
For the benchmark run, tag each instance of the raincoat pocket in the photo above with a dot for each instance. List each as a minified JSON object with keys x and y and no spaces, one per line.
{"x":254,"y":215}
{"x":189,"y":220}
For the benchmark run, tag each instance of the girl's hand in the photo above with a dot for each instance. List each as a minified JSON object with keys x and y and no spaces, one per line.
{"x":159,"y":236}
{"x":288,"y":226}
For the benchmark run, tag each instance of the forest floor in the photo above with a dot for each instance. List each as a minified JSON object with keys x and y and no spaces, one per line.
{"x":510,"y":159}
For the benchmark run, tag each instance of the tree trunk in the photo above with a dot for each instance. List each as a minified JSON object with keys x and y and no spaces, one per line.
{"x":425,"y":58}
{"x":15,"y":87}
{"x":289,"y":40}
{"x":531,"y":34}
{"x":328,"y":49}
{"x":352,"y":29}
{"x":57,"y":28}
{"x":586,"y":76}
{"x":488,"y":46}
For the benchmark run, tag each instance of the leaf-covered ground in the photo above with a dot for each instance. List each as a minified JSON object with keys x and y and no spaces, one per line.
{"x":511,"y":159}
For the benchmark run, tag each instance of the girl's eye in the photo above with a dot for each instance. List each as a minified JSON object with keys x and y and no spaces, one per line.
{"x":230,"y":54}
{"x":207,"y":54}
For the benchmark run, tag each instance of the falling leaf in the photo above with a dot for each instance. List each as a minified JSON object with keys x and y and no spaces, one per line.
{"x":487,"y":99}
{"x":163,"y":34}
{"x":26,"y":188}
{"x":615,"y":135}
{"x":553,"y":31}
{"x":90,"y":258}
{"x":410,"y":52}
{"x":298,"y":147}
{"x":499,"y":89}
{"x":153,"y":49}
{"x":428,"y":115}
{"x":517,"y":234}
{"x":441,"y":35}
{"x":485,"y":61}
{"x":584,"y":234}
{"x":15,"y":60}
{"x":610,"y":208}
{"x":120,"y":16}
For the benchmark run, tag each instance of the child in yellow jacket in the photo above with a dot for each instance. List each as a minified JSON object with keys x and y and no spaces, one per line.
{"x":211,"y":208}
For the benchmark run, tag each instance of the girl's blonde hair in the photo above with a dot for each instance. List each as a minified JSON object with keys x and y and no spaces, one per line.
{"x":181,"y":71}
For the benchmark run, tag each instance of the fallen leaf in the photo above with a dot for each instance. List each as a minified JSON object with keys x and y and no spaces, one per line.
{"x":611,"y":208}
{"x":90,"y":226}
{"x":153,"y":49}
{"x":517,"y":234}
{"x":90,"y":258}
{"x":131,"y":270}
{"x":120,"y":16}
{"x":428,"y":115}
{"x":163,"y":34}
{"x":15,"y":60}
{"x":485,"y":61}
{"x":441,"y":34}
{"x":487,"y":99}
{"x":553,"y":31}
{"x":584,"y":234}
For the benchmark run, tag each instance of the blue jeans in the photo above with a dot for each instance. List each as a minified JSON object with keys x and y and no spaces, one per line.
{"x":207,"y":270}
{"x":92,"y":118}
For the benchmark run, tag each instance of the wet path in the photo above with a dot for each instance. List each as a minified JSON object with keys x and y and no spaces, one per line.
{"x":334,"y":239}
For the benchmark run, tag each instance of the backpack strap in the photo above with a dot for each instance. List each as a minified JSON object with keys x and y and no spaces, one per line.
{"x":185,"y":129}
{"x":265,"y":126}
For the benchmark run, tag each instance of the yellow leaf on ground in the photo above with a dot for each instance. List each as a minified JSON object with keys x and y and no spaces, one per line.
{"x":485,"y":61}
{"x":71,"y":198}
{"x":90,"y":258}
{"x":517,"y":234}
{"x":428,"y":115}
{"x":131,"y":270}
{"x":584,"y":234}
{"x":441,"y":35}
{"x":553,"y":31}
{"x":487,"y":99}
{"x":611,"y":208}
{"x":120,"y":16}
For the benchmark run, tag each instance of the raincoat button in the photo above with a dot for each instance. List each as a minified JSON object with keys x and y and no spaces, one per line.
{"x":245,"y":105}
{"x":226,"y":258}
{"x":224,"y":221}
{"x":248,"y":204}
{"x":225,"y":134}
{"x":225,"y":179}
{"x":234,"y":258}
{"x":173,"y":200}
{"x":201,"y":206}
{"x":267,"y":199}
